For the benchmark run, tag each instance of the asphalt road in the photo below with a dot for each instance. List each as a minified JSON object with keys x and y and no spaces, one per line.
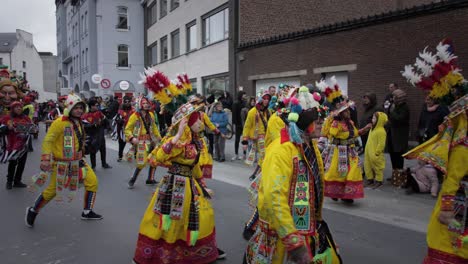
{"x":60,"y":237}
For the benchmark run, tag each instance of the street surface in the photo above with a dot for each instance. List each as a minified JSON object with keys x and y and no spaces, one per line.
{"x":385,"y":227}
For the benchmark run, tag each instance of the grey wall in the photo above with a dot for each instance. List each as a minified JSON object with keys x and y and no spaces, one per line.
{"x":50,"y":73}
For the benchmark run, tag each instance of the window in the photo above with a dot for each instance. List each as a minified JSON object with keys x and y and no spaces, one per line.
{"x":162,"y":8}
{"x":122,"y":56}
{"x":216,"y":27}
{"x":123,"y":17}
{"x":194,"y":84}
{"x":164,"y":54}
{"x":153,"y":54}
{"x":175,"y":44}
{"x":1,"y":61}
{"x":82,"y":25}
{"x":218,"y":82}
{"x":174,"y":4}
{"x":86,"y":22}
{"x":24,"y":64}
{"x":82,"y":60}
{"x":191,"y":36}
{"x":86,"y":57}
{"x":152,"y":13}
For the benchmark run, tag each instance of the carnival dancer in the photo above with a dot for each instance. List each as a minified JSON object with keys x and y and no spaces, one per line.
{"x":56,"y":112}
{"x":63,"y":160}
{"x":142,"y":133}
{"x":254,"y":131}
{"x":343,"y":175}
{"x":178,"y":225}
{"x":20,"y":128}
{"x":447,"y":234}
{"x":121,"y":120}
{"x":291,"y":228}
{"x":94,"y":123}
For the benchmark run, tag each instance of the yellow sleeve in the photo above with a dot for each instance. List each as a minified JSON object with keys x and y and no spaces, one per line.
{"x":208,"y":122}
{"x":249,"y":124}
{"x":167,"y":151}
{"x":275,"y":125}
{"x":326,"y":126}
{"x":155,"y":127}
{"x":456,"y":170}
{"x":50,"y":139}
{"x":130,"y":126}
{"x":276,"y":179}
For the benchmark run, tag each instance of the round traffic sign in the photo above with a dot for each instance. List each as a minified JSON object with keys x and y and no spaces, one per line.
{"x":96,"y":78}
{"x":124,"y":85}
{"x":105,"y":83}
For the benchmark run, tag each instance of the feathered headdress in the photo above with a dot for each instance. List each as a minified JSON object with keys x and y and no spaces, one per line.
{"x":436,"y":73}
{"x":158,"y":83}
{"x":331,"y":91}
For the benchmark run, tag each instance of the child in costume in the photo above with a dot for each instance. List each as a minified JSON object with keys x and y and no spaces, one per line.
{"x":343,"y":175}
{"x":178,"y":225}
{"x":142,"y":133}
{"x":63,"y":158}
{"x":20,"y":127}
{"x":374,"y":157}
{"x":290,"y":196}
{"x":447,"y":233}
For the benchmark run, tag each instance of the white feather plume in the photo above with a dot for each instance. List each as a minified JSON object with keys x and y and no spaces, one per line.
{"x":322,"y":85}
{"x":444,"y":54}
{"x":430,"y":58}
{"x":425,"y":68}
{"x":333,"y":81}
{"x":410,"y":75}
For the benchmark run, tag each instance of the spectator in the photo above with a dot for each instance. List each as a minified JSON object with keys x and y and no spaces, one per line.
{"x":369,"y":102}
{"x":220,"y":119}
{"x":422,"y":178}
{"x":226,"y":100}
{"x":398,"y":132}
{"x":389,"y":97}
{"x":237,"y":121}
{"x":272,"y":90}
{"x":432,"y":115}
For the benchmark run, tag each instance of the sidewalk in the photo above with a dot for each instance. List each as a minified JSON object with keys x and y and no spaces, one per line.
{"x":387,"y":204}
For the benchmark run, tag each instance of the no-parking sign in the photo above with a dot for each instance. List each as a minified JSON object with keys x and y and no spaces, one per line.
{"x":105,"y":83}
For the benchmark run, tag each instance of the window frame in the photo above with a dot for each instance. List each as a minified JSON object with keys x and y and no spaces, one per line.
{"x":173,"y":33}
{"x":161,"y":15}
{"x":188,"y":26}
{"x":224,"y":75}
{"x":24,"y":65}
{"x":172,"y":4}
{"x":118,"y":56}
{"x":150,"y":7}
{"x":162,"y":40}
{"x":222,"y":8}
{"x":153,"y":45}
{"x":118,"y":18}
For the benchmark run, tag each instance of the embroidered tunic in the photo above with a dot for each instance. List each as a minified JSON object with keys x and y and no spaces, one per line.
{"x":343,"y":174}
{"x":178,"y":226}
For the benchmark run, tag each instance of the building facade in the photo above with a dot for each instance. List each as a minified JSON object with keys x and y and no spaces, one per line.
{"x":18,"y":52}
{"x":50,"y":72}
{"x":365,"y":44}
{"x":101,"y":38}
{"x":192,"y":37}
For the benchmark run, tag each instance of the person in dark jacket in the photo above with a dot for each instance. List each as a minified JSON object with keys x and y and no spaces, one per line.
{"x":94,"y":126}
{"x":398,"y":130}
{"x":432,"y":115}
{"x":369,"y":103}
{"x":237,"y":121}
{"x":226,"y":100}
{"x":220,"y":119}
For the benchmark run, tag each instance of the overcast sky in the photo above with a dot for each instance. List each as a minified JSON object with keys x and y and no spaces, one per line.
{"x":34,"y":16}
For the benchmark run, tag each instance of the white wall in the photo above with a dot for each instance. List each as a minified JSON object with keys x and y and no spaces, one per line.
{"x":5,"y":58}
{"x":206,"y":61}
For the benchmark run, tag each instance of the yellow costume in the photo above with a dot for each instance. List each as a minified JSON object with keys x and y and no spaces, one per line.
{"x":254,"y":130}
{"x":448,"y":152}
{"x":343,"y":177}
{"x":288,"y":219}
{"x":178,"y":225}
{"x":374,"y":158}
{"x":135,"y":128}
{"x":206,"y":161}
{"x":63,"y":148}
{"x":275,"y":124}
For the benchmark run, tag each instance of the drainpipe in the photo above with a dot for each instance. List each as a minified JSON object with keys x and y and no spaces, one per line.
{"x":11,"y":62}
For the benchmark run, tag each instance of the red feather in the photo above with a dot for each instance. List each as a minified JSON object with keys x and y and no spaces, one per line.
{"x":157,"y":82}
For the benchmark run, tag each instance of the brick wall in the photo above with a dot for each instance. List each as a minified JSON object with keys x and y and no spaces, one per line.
{"x":380,"y":53}
{"x":265,"y":18}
